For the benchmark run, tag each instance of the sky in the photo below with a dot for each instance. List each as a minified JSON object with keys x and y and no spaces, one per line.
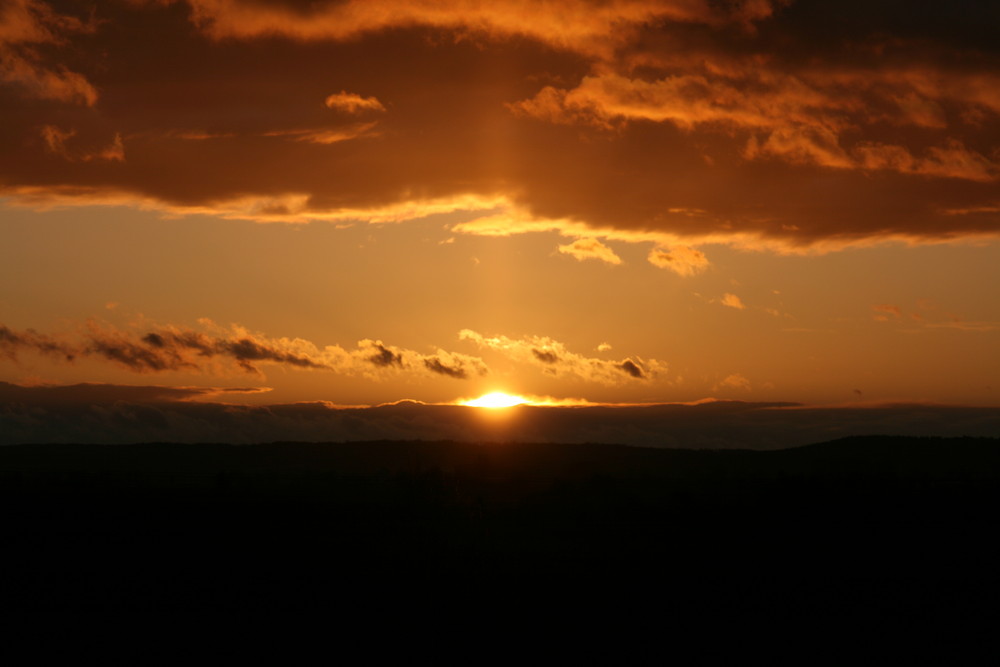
{"x":355,"y":203}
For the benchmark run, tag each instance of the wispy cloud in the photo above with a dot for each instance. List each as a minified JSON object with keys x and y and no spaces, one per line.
{"x":733,"y":381}
{"x":352,"y":103}
{"x":13,"y":342}
{"x":732,"y":301}
{"x":883,"y":311}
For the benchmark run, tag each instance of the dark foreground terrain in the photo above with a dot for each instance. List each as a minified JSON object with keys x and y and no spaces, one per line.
{"x":899,"y":524}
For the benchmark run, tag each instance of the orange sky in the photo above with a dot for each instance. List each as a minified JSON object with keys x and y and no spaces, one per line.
{"x":367,"y":201}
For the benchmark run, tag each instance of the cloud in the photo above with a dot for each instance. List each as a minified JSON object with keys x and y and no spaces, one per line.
{"x":554,"y":359}
{"x":632,"y":368}
{"x":787,"y":127}
{"x":25,"y":25}
{"x":55,"y":139}
{"x":585,"y":26}
{"x":13,"y":342}
{"x":102,"y":394}
{"x":436,"y":365}
{"x":583,"y":249}
{"x":962,"y":325}
{"x":382,"y":356}
{"x":220,"y":350}
{"x":352,"y":103}
{"x":57,"y":142}
{"x":734,"y":381}
{"x":732,"y":301}
{"x":682,"y":260}
{"x":545,"y":356}
{"x":324,"y":136}
{"x":931,"y":318}
{"x":882,"y":311}
{"x":953,"y":160}
{"x":795,"y":118}
{"x":173,"y":348}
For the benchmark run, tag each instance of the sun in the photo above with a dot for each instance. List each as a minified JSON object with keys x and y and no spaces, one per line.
{"x":496,"y":399}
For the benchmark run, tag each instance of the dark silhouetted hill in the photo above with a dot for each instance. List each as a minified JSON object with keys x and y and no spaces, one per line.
{"x":859,"y":521}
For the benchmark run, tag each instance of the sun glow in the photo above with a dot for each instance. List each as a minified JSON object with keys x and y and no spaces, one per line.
{"x":496,"y":399}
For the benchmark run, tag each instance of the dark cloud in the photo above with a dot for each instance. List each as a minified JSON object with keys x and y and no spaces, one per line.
{"x":631,"y":368}
{"x":32,"y":35}
{"x":173,"y":348}
{"x":545,"y":356}
{"x":114,"y":414}
{"x":170,"y":350}
{"x":245,"y":350}
{"x":385,"y":356}
{"x":108,"y":394}
{"x":436,"y":366}
{"x":135,"y":356}
{"x":12,"y":342}
{"x":791,"y":123}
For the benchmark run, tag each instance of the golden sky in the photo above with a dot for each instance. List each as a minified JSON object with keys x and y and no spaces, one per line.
{"x":364,"y":201}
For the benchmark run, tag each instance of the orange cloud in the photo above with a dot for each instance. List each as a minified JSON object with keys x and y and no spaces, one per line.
{"x":583,"y":249}
{"x":26,"y":24}
{"x":324,"y":136}
{"x":352,"y":103}
{"x":884,"y":310}
{"x":734,"y":381}
{"x":952,"y":160}
{"x":585,"y":26}
{"x":674,"y":123}
{"x":688,"y":100}
{"x":554,"y":359}
{"x":57,"y":140}
{"x":681,"y":260}
{"x":798,"y":120}
{"x":214,"y":349}
{"x":733,"y":301}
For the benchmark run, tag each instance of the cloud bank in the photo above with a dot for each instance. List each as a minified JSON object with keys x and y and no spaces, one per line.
{"x":212,"y":349}
{"x":794,"y":126}
{"x":221,"y":350}
{"x":554,"y":359}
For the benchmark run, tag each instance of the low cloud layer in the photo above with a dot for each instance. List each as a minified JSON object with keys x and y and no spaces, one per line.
{"x":796,"y":126}
{"x":554,"y":359}
{"x":61,"y":396}
{"x":221,"y":350}
{"x":218,"y":350}
{"x":125,"y":414}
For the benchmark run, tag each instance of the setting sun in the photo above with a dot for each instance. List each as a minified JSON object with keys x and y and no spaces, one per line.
{"x":496,"y":399}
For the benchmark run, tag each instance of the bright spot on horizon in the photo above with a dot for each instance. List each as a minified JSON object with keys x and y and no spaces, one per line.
{"x":496,"y":399}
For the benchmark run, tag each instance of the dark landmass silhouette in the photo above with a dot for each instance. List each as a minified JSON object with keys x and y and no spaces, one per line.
{"x":875,"y":522}
{"x":122,"y":414}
